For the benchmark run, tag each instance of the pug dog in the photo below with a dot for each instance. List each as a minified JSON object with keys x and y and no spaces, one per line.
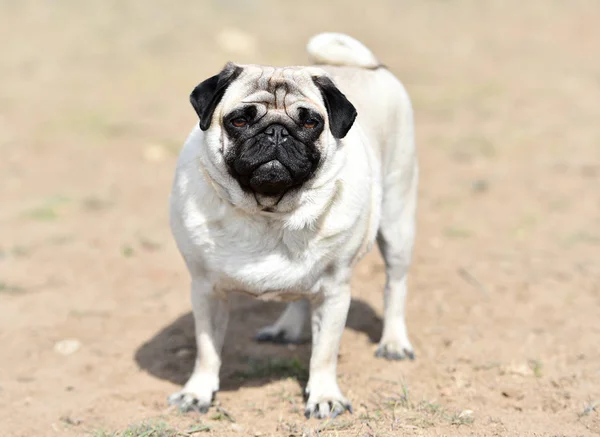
{"x":288,"y":179}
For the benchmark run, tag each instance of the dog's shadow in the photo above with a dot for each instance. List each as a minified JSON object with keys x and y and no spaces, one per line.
{"x":170,"y":354}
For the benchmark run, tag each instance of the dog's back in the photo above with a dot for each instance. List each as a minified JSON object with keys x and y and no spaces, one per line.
{"x":383,"y":105}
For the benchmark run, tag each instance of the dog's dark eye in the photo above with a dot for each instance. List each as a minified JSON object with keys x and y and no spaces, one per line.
{"x":310,"y":123}
{"x":239,"y":122}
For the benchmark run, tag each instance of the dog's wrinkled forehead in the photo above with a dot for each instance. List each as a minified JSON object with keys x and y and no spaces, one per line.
{"x":275,"y":88}
{"x":279,"y":91}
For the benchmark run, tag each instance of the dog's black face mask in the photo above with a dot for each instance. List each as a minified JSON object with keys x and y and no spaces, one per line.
{"x":272,"y":152}
{"x":275,"y":153}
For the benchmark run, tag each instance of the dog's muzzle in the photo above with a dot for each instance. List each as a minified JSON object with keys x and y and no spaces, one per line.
{"x":272,"y":162}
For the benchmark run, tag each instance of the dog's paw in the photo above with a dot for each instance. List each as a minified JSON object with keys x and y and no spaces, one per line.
{"x":393,"y":350}
{"x":275,"y":334}
{"x":188,"y":401}
{"x":325,"y":400}
{"x":327,"y":409}
{"x":197,"y":395}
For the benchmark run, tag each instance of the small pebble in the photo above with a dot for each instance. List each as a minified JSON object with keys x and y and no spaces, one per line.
{"x":71,"y":421}
{"x":519,"y":369}
{"x":466,"y":414}
{"x":511,"y":393}
{"x":67,"y":347}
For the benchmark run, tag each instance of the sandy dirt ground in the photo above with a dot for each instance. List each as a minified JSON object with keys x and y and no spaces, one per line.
{"x":504,"y":299}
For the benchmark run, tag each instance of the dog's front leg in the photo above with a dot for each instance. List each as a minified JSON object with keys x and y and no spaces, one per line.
{"x":329,"y":312}
{"x":211,"y":313}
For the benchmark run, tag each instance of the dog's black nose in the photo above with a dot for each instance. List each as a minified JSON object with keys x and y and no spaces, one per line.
{"x":277,"y":132}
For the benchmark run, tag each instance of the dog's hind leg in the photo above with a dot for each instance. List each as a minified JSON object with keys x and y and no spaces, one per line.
{"x":400,"y":174}
{"x":288,"y":328}
{"x":395,"y":239}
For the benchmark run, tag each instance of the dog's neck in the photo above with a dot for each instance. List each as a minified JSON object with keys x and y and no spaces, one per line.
{"x":309,"y":208}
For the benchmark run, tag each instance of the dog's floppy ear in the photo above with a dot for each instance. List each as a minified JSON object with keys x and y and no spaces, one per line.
{"x":207,"y":95}
{"x":340,"y":111}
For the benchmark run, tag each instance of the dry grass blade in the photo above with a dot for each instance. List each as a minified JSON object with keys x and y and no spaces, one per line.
{"x":472,"y":280}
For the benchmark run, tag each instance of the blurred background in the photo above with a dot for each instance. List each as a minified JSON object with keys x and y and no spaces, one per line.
{"x":504,"y":294}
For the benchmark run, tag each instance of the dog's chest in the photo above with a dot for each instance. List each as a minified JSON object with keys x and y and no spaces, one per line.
{"x":262,"y":258}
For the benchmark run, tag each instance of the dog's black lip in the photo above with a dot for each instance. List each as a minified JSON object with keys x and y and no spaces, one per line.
{"x":267,"y":170}
{"x":270,"y":208}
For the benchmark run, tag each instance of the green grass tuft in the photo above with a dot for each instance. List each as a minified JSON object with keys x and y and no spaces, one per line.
{"x":275,"y":368}
{"x":153,"y":429}
{"x":48,"y":210}
{"x":10,"y":289}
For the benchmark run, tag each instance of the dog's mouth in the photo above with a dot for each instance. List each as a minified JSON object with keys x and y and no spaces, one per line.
{"x":271,"y":179}
{"x":268,"y":181}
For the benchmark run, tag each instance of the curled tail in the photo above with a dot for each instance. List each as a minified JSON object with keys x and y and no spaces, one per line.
{"x":340,"y":49}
